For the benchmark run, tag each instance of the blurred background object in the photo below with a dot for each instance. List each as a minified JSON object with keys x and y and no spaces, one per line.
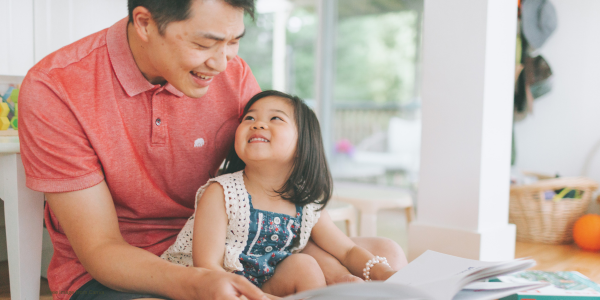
{"x":369,"y":64}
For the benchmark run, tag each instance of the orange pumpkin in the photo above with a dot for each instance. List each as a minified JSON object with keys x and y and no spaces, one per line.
{"x":586,"y":232}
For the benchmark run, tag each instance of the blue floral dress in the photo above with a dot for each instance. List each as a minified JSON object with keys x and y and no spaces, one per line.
{"x":270,"y":238}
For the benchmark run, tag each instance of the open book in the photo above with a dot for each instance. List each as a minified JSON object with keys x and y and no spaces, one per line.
{"x":433,"y":276}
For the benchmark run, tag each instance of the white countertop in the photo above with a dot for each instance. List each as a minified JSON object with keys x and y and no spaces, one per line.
{"x":9,"y":145}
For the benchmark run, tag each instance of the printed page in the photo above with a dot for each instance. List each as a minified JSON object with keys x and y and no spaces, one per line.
{"x":433,"y":266}
{"x":559,"y":283}
{"x":469,"y":294}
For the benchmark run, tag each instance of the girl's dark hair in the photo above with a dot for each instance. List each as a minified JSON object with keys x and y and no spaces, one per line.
{"x":310,"y":180}
{"x":167,"y":11}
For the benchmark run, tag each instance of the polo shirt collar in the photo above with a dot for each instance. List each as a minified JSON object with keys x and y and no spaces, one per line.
{"x":129,"y":75}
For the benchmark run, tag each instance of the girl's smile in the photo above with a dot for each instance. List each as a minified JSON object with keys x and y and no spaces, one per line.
{"x":257,"y":138}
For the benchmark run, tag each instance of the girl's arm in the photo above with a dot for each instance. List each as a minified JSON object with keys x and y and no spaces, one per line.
{"x":210,"y":227}
{"x":331,"y":239}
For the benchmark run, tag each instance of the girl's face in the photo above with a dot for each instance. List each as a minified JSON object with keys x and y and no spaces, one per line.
{"x":268,"y":132}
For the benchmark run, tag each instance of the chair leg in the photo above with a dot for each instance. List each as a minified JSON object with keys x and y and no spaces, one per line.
{"x":410,"y":214}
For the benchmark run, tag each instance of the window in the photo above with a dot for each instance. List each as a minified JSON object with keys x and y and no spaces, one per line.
{"x":374,"y":124}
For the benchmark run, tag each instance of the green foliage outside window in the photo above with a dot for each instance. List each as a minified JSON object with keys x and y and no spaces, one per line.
{"x":375,"y":55}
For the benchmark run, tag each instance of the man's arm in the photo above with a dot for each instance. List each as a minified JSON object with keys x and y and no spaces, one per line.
{"x":90,"y":222}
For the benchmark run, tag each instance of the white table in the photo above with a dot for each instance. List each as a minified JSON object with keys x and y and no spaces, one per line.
{"x":369,"y":199}
{"x":24,"y":212}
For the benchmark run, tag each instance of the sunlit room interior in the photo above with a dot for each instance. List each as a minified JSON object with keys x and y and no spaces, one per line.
{"x":416,"y":101}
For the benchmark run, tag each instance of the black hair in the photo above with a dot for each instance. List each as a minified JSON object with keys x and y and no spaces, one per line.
{"x":310,"y":180}
{"x":167,"y":11}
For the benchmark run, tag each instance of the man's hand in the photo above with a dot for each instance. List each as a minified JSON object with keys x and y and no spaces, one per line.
{"x":221,"y":285}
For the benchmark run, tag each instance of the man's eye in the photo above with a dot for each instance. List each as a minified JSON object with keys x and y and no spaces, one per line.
{"x":203,"y":47}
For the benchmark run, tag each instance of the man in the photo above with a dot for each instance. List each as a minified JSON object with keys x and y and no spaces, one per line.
{"x":120,"y":129}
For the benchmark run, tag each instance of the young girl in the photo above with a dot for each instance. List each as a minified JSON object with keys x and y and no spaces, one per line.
{"x":256,"y":218}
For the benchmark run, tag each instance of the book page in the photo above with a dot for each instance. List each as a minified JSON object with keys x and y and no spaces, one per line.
{"x":469,"y":294}
{"x":444,"y":275}
{"x":363,"y":291}
{"x":559,"y":283}
{"x":433,"y":266}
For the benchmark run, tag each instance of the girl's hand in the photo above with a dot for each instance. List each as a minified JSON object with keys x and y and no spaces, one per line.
{"x":347,"y":278}
{"x":386,"y":275}
{"x":381,"y":272}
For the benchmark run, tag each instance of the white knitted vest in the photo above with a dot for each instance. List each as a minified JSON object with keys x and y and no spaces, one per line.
{"x":238,"y":214}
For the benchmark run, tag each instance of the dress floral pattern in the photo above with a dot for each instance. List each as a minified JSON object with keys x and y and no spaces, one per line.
{"x":270,"y":239}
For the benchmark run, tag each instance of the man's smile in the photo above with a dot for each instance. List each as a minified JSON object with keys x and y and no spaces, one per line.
{"x":202,"y":76}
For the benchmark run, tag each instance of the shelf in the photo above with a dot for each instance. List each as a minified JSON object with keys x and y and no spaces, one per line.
{"x":9,"y":133}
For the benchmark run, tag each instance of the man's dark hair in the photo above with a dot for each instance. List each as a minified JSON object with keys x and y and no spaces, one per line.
{"x":310,"y":180}
{"x":167,"y":11}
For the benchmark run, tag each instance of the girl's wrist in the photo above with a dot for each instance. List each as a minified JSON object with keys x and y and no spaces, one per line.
{"x":381,"y":272}
{"x":375,"y":268}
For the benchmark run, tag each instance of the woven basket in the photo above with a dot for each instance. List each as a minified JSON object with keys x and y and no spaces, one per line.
{"x":546,"y":221}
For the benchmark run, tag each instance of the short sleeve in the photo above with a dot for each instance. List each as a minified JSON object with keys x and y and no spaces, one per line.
{"x":56,"y":154}
{"x":249,"y":85}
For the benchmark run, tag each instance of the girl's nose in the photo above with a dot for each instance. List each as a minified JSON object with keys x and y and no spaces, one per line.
{"x":259,"y":125}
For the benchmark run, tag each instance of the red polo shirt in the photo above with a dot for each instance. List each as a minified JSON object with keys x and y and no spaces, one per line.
{"x":87,"y":114}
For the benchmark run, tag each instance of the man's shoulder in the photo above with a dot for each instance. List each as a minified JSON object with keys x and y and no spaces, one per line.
{"x":73,"y":54}
{"x":237,"y":68}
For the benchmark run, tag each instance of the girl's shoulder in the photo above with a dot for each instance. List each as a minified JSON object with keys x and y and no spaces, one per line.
{"x":226,"y":184}
{"x":236,"y":176}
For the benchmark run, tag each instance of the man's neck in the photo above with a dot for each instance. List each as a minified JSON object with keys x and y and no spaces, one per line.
{"x":140,"y":56}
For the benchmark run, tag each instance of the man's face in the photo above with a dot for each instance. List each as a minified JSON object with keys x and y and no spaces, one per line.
{"x":190,"y":53}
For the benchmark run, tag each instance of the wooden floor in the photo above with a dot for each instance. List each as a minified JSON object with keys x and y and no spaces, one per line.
{"x":548,"y":257}
{"x":562,"y":258}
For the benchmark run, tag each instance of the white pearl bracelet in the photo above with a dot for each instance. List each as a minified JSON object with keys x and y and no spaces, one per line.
{"x":371,"y":263}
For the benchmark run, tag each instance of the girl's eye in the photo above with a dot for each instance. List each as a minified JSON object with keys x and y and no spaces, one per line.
{"x":276,"y":118}
{"x":250,"y":118}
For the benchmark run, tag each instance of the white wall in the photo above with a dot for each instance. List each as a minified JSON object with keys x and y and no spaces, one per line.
{"x":57,"y":24}
{"x":61,"y":22}
{"x":566,"y":122}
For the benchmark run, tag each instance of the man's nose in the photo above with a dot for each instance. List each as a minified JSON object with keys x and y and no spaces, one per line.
{"x":218,"y":61}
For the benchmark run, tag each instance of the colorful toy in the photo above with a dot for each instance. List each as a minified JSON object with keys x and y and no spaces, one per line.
{"x":7,"y":94}
{"x":14,"y":95}
{"x":11,"y":97}
{"x":14,"y":123}
{"x":14,"y":120}
{"x":586,"y":232}
{"x":4,"y":110}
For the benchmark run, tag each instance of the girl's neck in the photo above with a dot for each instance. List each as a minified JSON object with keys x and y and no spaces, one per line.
{"x":263,"y":181}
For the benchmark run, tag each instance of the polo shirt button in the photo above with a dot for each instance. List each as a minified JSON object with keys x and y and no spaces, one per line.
{"x":274,"y":237}
{"x":158,"y":121}
{"x":268,"y":249}
{"x":277,"y":220}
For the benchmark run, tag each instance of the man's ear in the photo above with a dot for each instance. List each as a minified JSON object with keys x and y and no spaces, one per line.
{"x":143,"y":22}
